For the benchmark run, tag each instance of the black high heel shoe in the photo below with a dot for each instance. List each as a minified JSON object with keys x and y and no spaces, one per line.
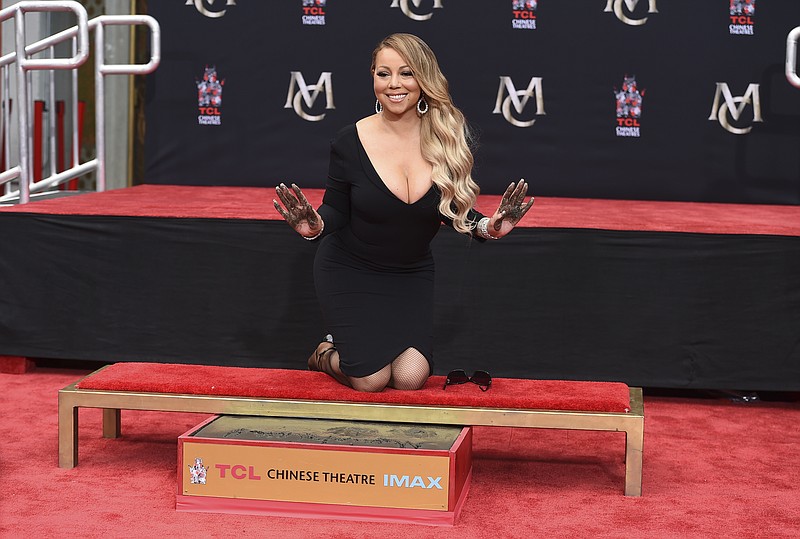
{"x":320,"y":361}
{"x":318,"y":355}
{"x":315,"y":362}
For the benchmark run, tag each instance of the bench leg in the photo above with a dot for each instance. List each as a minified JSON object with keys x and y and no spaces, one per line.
{"x":112,"y":424}
{"x":67,"y":433}
{"x":634,"y":446}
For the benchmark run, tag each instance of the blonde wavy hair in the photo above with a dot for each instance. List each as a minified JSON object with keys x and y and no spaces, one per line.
{"x":444,"y":136}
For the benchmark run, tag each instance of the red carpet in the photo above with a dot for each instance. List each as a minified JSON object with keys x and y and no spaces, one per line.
{"x":296,"y":384}
{"x":711,"y":469}
{"x":548,"y":212}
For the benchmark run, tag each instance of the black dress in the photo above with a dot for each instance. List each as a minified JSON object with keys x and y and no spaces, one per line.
{"x":373,"y":269}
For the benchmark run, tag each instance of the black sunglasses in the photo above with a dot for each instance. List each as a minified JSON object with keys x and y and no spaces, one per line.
{"x":481,"y":378}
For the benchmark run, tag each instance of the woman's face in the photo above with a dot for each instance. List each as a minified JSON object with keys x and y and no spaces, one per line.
{"x":394,"y":83}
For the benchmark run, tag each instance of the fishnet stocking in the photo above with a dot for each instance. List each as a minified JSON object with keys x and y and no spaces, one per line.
{"x":372,"y":382}
{"x":410,"y":370}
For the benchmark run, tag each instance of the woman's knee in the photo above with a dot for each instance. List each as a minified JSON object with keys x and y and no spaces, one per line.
{"x":410,"y":385}
{"x":410,"y":370}
{"x":374,"y":382}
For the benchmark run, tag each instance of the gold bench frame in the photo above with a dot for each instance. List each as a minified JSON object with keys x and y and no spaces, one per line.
{"x":71,"y":399}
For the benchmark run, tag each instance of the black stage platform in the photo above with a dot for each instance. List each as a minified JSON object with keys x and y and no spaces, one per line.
{"x":646,"y":307}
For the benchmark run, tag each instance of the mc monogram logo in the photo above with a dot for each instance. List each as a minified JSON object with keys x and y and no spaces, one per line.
{"x":615,"y":6}
{"x":735,"y":106}
{"x":403,"y":5}
{"x":518,"y":98}
{"x":200,"y":5}
{"x":293,"y":99}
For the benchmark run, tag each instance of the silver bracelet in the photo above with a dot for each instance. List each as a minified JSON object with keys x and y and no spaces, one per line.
{"x":317,"y":235}
{"x":483,"y":229}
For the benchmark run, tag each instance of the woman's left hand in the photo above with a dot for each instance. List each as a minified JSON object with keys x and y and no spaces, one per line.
{"x":512,"y":208}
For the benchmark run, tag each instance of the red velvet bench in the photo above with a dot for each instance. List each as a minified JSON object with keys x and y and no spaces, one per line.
{"x":511,"y":402}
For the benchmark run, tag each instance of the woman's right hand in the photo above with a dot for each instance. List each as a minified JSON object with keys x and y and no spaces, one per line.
{"x":298,"y":212}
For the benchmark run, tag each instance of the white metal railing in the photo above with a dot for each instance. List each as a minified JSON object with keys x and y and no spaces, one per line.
{"x":25,"y":63}
{"x":791,"y":57}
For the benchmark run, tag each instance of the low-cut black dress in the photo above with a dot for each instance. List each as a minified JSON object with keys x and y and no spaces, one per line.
{"x":373,"y":270}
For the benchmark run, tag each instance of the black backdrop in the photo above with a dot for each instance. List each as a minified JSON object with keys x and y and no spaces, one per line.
{"x":681,"y":52}
{"x":652,"y":309}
